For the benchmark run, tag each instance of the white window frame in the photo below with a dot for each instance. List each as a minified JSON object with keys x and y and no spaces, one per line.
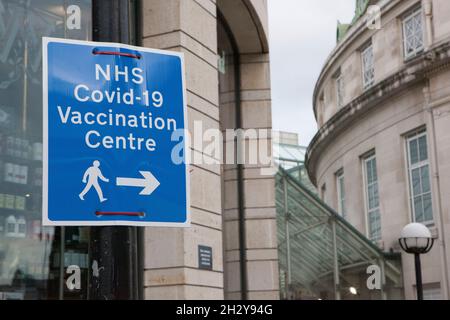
{"x":405,"y":20}
{"x":432,"y":294}
{"x":411,"y":168}
{"x":339,"y":82}
{"x":340,"y":187}
{"x":367,"y":82}
{"x":370,"y":157}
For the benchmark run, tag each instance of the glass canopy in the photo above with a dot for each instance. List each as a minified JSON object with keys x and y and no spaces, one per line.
{"x":322,"y":256}
{"x":289,"y":155}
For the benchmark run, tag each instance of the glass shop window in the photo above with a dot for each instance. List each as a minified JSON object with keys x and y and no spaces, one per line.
{"x":33,"y":258}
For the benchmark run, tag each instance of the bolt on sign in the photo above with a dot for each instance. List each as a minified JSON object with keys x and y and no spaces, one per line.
{"x":114,"y":128}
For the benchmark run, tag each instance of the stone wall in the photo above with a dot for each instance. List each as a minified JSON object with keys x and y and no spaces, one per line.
{"x":171,"y":255}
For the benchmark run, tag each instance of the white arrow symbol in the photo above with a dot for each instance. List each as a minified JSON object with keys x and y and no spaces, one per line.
{"x":149,"y":183}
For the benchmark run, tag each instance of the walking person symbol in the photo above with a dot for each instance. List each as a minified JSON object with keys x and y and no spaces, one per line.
{"x":91,"y":177}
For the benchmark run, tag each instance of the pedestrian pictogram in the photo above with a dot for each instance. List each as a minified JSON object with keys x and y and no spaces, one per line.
{"x":90,"y":178}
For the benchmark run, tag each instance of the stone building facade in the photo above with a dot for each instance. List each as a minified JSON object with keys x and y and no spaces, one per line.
{"x":233,"y":207}
{"x":381,"y":155}
{"x":225,"y":45}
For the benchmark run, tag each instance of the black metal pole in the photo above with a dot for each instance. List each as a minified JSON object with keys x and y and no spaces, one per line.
{"x":113,"y":250}
{"x":418,"y":276}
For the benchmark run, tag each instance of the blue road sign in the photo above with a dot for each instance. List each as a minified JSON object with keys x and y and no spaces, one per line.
{"x":114,"y":123}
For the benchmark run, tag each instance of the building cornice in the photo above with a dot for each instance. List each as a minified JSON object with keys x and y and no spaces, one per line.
{"x":414,"y":71}
{"x":355,"y":31}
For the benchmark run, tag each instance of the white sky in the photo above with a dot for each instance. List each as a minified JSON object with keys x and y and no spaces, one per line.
{"x":302,"y":33}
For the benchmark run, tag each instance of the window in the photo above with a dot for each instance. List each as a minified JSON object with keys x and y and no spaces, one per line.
{"x":419,"y":178}
{"x":368,"y":66}
{"x":413,"y":34}
{"x":432,"y":294}
{"x":33,"y":257}
{"x":372,"y":198}
{"x":339,"y":90}
{"x":30,"y":254}
{"x":340,"y":192}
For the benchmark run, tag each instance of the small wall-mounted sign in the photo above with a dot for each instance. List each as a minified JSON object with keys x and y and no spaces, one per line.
{"x":222,"y":63}
{"x":205,"y":260}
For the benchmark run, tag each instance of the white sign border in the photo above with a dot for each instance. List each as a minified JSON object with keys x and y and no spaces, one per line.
{"x":45,"y":219}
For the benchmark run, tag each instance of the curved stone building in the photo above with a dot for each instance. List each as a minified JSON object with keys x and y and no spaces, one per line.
{"x":381,"y":157}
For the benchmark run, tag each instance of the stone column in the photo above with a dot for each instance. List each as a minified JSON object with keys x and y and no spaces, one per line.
{"x":171,"y":255}
{"x":259,"y":188}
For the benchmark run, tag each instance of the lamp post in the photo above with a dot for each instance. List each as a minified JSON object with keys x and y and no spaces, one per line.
{"x":416,"y":239}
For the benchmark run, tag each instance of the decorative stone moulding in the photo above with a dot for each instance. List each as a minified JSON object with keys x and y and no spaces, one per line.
{"x":415,"y":71}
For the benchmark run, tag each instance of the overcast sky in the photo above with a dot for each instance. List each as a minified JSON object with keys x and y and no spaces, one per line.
{"x":302,"y":34}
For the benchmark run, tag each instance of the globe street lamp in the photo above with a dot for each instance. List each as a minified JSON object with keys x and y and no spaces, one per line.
{"x":416,"y":239}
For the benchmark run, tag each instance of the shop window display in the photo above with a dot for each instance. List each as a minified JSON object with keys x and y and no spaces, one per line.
{"x":33,"y":258}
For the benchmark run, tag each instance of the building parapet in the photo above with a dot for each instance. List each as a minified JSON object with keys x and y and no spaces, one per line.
{"x":414,"y":72}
